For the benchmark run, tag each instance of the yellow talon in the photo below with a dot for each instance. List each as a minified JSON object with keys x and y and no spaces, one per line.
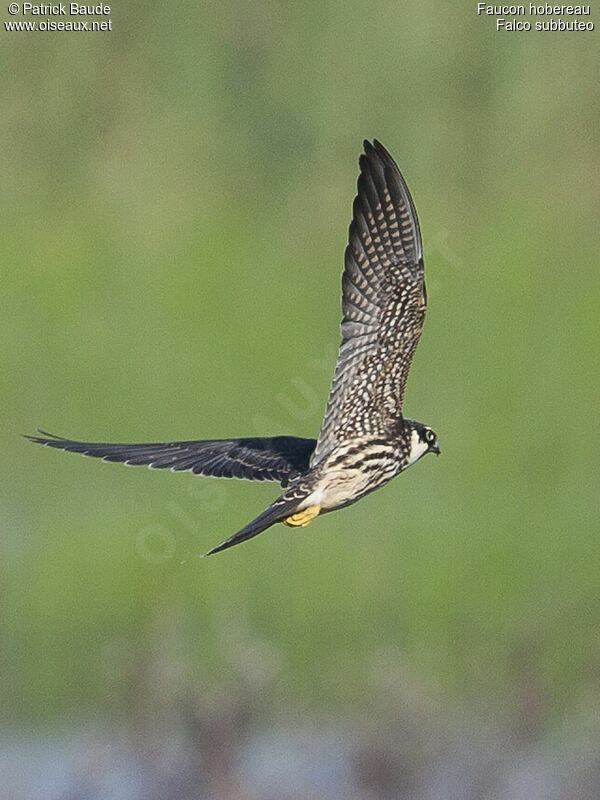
{"x":302,"y":518}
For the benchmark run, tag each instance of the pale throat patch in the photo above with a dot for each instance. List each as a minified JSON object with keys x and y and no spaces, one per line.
{"x":418,"y":448}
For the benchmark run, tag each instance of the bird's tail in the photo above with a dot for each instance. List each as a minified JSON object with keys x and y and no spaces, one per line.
{"x":276,"y":512}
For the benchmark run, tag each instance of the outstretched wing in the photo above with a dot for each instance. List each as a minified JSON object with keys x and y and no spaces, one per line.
{"x":281,"y":458}
{"x":383,"y":305}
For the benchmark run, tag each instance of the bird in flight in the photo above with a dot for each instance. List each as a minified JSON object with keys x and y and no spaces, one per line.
{"x":364,"y":440}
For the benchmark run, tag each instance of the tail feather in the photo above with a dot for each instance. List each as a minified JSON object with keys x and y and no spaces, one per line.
{"x":276,"y":512}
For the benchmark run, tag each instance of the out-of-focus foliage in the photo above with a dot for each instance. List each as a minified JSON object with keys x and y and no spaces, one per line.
{"x":175,"y":199}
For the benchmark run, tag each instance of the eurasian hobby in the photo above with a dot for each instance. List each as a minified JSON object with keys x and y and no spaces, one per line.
{"x":364,"y":440}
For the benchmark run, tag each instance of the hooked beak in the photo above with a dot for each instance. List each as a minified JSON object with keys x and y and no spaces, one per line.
{"x":436,"y":449}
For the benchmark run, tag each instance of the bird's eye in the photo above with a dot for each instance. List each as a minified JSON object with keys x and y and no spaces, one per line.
{"x":429,"y":436}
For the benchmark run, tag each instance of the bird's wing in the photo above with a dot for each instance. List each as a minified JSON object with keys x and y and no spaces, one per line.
{"x":281,"y":458}
{"x":383,"y":306}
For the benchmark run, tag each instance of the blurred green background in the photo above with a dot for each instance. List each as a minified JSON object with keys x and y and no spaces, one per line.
{"x":175,"y":202}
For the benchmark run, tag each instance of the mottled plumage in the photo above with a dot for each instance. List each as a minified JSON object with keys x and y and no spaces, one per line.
{"x":383,"y":305}
{"x":364,"y":440}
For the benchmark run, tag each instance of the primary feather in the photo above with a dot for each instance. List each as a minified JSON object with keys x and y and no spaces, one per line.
{"x":279,"y":458}
{"x":383,"y":305}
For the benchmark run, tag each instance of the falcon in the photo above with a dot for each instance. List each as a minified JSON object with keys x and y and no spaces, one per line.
{"x":364,"y":440}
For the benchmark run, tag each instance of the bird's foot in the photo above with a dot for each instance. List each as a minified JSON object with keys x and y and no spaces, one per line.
{"x":302,"y":518}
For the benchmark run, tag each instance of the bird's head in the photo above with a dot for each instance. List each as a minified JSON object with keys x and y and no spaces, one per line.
{"x":421,"y":439}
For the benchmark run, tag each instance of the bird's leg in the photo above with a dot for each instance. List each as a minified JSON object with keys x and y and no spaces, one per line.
{"x":302,"y":518}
